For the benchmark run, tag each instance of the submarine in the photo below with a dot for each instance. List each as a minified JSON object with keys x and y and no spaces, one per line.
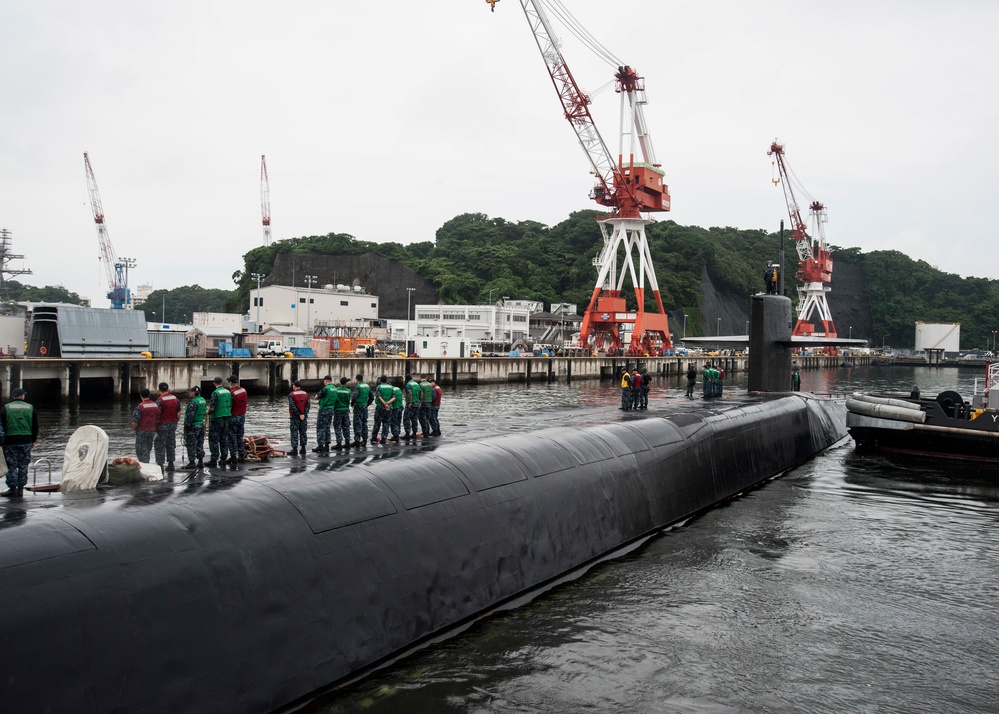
{"x":251,"y":589}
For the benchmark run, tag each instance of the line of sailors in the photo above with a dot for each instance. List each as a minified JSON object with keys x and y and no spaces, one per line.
{"x":223,"y":415}
{"x":407,"y":412}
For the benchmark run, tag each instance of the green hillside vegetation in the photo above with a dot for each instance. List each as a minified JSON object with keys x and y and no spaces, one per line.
{"x":18,"y":292}
{"x":902,"y":291}
{"x":181,"y":303}
{"x":475,"y":256}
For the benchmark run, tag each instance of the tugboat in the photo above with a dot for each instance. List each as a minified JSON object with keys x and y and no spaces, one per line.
{"x":943,"y":426}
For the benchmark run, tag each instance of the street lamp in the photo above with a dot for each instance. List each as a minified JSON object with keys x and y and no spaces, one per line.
{"x":491,"y":291}
{"x":409,"y":299}
{"x":719,"y":328}
{"x":747,"y":327}
{"x":127,"y":263}
{"x":851,"y":332}
{"x":883,"y":339}
{"x":684,"y":326}
{"x":258,"y":277}
{"x":994,"y":340}
{"x":310,"y":280}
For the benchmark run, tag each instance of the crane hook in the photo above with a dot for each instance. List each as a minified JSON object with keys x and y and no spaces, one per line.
{"x":492,"y":5}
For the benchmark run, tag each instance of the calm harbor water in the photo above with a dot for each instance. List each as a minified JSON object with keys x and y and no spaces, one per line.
{"x":851,"y":584}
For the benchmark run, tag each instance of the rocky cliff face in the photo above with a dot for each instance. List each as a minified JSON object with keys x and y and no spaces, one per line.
{"x":848,"y":301}
{"x":388,"y":279}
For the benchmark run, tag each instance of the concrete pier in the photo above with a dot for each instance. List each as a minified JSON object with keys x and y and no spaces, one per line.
{"x":65,"y":379}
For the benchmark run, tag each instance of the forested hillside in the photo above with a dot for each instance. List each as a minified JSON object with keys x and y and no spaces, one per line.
{"x":705,"y":274}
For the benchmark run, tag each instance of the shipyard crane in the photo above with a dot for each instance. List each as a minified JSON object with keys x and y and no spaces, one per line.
{"x":117,"y":270}
{"x":265,"y":200}
{"x":626,"y":185}
{"x":814,"y":262}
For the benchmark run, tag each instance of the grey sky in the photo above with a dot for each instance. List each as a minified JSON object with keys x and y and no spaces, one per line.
{"x":383,"y":120}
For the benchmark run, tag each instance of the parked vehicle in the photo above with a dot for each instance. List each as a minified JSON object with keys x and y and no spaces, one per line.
{"x":270,"y":348}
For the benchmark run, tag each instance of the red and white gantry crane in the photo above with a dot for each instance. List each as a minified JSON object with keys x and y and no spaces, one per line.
{"x":815,"y":264}
{"x":629,"y":186}
{"x":265,"y":200}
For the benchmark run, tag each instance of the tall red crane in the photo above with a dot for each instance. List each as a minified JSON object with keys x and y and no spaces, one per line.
{"x":117,"y":270}
{"x":815,"y":264}
{"x":265,"y":200}
{"x":627,"y":186}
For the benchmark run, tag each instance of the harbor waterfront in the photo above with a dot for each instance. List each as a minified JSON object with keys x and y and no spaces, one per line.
{"x":68,"y":379}
{"x":850,"y":584}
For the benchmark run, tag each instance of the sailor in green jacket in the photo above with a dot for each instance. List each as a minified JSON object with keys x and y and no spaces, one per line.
{"x":18,"y":432}
{"x":341,"y":414}
{"x":194,"y":429}
{"x":410,"y":420}
{"x":326,"y":396}
{"x":360,"y":399}
{"x":426,"y":399}
{"x":384,"y":399}
{"x":220,"y":407}
{"x":397,"y":412}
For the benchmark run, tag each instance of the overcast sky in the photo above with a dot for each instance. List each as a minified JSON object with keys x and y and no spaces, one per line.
{"x":385,"y":119}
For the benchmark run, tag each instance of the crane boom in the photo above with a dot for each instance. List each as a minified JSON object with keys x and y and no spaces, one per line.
{"x":118,"y":292}
{"x":265,"y":200}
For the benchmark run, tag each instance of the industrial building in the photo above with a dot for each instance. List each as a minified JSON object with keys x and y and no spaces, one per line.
{"x":306,"y":306}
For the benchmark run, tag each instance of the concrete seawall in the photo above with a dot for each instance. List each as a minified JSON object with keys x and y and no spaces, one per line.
{"x":257,"y":587}
{"x":67,"y":379}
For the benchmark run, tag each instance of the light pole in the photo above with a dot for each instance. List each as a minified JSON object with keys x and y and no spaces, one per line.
{"x":747,"y":327}
{"x":684,"y":326}
{"x":491,"y":291}
{"x":127,"y":263}
{"x":409,"y":300}
{"x":718,"y":334}
{"x":883,"y":340}
{"x":851,"y":332}
{"x":994,"y":340}
{"x":257,"y":277}
{"x":310,"y":280}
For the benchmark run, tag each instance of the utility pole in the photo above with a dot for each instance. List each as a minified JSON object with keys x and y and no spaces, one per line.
{"x":310,"y":280}
{"x":409,"y":299}
{"x":257,"y":277}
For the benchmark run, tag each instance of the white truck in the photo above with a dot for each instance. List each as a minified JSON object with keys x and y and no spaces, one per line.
{"x":270,"y":348}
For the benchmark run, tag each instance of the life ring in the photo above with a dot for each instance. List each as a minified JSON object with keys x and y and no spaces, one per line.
{"x":42,"y":351}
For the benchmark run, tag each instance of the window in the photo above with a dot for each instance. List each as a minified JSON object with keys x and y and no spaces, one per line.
{"x":374,"y":304}
{"x":520,"y":318}
{"x":473,"y":317}
{"x":344,"y":302}
{"x":301,"y":300}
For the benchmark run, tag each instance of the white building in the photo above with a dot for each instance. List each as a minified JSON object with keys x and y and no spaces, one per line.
{"x":228,"y":320}
{"x":302,"y":307}
{"x":472,"y":323}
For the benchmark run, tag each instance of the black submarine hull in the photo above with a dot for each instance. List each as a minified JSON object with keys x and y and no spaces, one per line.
{"x":245,"y":594}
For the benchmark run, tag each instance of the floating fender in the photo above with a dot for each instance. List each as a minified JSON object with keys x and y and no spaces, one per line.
{"x":247,"y":592}
{"x":885,"y":411}
{"x":900,"y":403}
